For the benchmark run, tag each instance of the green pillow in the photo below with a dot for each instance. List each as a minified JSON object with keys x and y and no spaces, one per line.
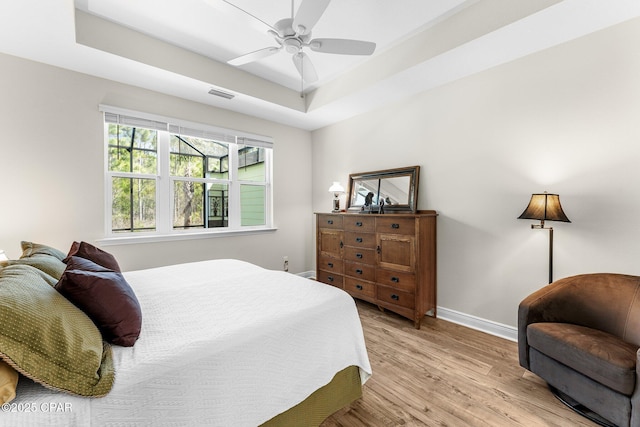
{"x":48,"y":339}
{"x":30,"y":249}
{"x":52,"y":266}
{"x":42,"y":257}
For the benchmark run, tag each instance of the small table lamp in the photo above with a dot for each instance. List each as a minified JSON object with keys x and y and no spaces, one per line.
{"x":3,"y":257}
{"x":545,"y":207}
{"x":336,"y":189}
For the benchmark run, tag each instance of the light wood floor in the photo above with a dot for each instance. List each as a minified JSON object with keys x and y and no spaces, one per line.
{"x":446,"y":375}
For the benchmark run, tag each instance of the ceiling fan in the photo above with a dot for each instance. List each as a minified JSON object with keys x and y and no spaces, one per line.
{"x":293,"y":34}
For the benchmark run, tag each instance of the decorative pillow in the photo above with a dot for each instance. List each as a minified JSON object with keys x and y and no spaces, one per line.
{"x":46,"y":338}
{"x":106,"y":297}
{"x":48,"y":264}
{"x":97,"y":255}
{"x":8,"y":382}
{"x":30,"y":249}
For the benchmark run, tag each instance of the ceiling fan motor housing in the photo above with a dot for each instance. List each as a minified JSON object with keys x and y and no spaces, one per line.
{"x":288,"y":38}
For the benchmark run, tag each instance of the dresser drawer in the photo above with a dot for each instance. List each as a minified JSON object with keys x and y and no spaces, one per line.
{"x":360,"y":288}
{"x":330,"y":278}
{"x":363,"y":224}
{"x":360,"y":271}
{"x":365,"y":256}
{"x":330,"y":221}
{"x":395,"y":225}
{"x":328,"y":264}
{"x":394,"y":296}
{"x":397,"y":279}
{"x":360,"y":240}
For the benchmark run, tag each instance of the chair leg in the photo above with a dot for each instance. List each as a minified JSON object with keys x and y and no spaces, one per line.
{"x":579,"y":408}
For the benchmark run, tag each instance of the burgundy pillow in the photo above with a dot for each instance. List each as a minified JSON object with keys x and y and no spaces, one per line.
{"x":105,"y":296}
{"x":97,"y":255}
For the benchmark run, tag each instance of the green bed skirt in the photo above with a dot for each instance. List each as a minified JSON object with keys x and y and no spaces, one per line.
{"x":344,"y":388}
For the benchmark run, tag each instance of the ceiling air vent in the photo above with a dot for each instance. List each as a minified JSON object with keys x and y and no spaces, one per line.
{"x":221,"y":94}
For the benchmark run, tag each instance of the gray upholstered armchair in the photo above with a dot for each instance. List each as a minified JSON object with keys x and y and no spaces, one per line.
{"x":581,"y":335}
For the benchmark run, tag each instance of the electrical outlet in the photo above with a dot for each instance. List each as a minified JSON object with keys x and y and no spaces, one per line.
{"x":286,"y":263}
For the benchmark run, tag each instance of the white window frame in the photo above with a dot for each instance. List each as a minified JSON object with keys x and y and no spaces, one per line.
{"x":165,"y":182}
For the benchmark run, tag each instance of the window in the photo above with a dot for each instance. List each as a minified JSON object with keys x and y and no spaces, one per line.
{"x":168,"y":177}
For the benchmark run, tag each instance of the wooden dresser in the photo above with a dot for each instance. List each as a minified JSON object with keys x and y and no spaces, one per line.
{"x":388,"y":260}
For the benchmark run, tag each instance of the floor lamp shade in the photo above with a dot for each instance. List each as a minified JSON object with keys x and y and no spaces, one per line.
{"x":545,"y":207}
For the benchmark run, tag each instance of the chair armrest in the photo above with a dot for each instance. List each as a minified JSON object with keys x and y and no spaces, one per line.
{"x":534,"y":308}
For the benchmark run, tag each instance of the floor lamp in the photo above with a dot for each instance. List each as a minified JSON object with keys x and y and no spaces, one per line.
{"x":545,"y":207}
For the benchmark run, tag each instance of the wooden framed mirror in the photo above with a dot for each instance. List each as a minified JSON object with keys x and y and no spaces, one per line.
{"x":390,"y":190}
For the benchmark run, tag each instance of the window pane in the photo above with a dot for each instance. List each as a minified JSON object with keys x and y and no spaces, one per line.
{"x":218,"y":168}
{"x":196,"y":157}
{"x":186,"y":165}
{"x":252,"y":203}
{"x":132,"y":149}
{"x":133,"y":207}
{"x":251,"y":164}
{"x":188,"y":204}
{"x":218,"y":199}
{"x":119,"y":159}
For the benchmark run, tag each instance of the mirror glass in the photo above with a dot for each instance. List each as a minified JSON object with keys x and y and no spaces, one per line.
{"x":391,"y":190}
{"x":362,"y":188}
{"x":395,"y":191}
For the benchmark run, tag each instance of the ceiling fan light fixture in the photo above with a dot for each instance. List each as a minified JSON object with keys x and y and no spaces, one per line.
{"x":292,"y":45}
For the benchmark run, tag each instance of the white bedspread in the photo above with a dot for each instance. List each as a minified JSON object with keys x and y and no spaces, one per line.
{"x":223,"y":343}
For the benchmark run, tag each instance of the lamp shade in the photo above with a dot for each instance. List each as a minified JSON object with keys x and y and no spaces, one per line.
{"x":3,"y":257}
{"x":336,"y":188}
{"x":544,"y":207}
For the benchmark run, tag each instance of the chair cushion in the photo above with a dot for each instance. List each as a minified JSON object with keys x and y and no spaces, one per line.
{"x":598,"y":355}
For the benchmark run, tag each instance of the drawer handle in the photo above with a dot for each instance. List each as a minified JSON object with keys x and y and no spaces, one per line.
{"x":330,"y":264}
{"x":359,"y":224}
{"x":330,"y":278}
{"x":394,"y":225}
{"x":359,"y":256}
{"x":359,"y":239}
{"x":358,"y":271}
{"x":394,"y":279}
{"x":395,"y":297}
{"x":379,"y":249}
{"x":330,"y":221}
{"x":359,"y":287}
{"x":341,"y":244}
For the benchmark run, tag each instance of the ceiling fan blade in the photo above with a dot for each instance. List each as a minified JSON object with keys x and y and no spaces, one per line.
{"x":342,"y":46}
{"x":231,"y":10}
{"x":254,"y":56}
{"x":305,"y":67}
{"x":308,"y":14}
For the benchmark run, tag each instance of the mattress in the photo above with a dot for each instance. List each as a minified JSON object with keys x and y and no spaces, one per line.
{"x":223,"y":343}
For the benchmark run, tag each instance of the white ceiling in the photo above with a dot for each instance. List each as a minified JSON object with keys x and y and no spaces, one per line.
{"x":181,"y":48}
{"x":211,"y":28}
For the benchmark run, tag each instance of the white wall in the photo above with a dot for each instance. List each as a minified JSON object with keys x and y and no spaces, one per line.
{"x":51,"y":169}
{"x":566,"y":120}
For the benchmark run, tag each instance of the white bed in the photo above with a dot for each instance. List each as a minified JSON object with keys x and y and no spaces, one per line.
{"x":223,"y":343}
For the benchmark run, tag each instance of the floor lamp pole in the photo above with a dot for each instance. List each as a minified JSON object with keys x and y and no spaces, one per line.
{"x":550,"y":254}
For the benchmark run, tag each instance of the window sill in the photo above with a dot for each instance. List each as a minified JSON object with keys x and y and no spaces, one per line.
{"x":152,"y":238}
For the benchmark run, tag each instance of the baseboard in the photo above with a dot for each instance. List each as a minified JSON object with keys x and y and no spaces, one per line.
{"x":494,"y":328}
{"x":473,"y":322}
